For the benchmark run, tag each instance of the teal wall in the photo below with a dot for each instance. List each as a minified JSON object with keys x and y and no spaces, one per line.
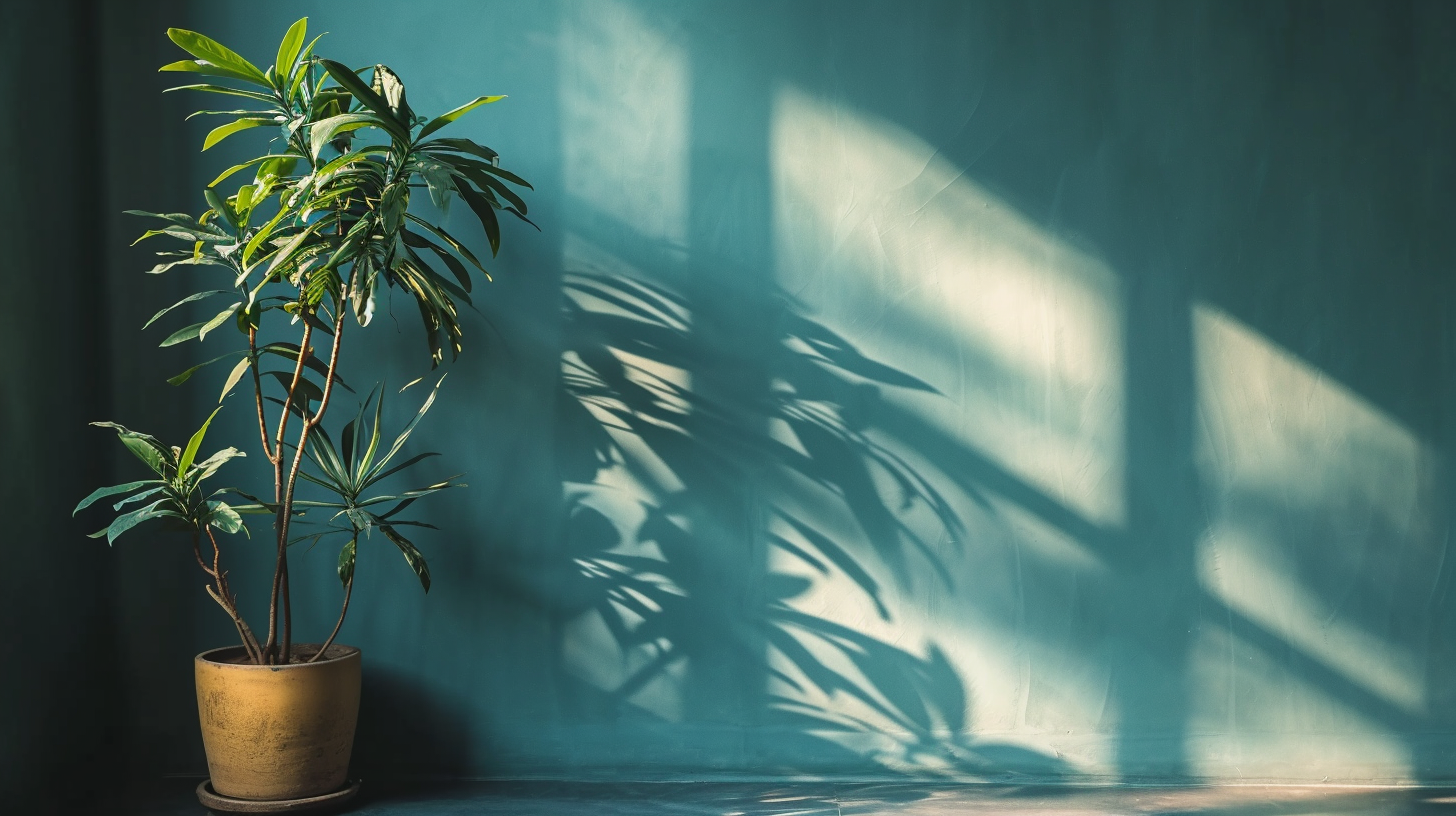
{"x":895,"y":390}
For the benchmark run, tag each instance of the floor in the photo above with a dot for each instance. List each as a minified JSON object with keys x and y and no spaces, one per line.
{"x":815,"y":799}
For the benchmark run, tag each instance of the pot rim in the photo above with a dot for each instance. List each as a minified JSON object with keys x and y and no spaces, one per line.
{"x":208,"y":657}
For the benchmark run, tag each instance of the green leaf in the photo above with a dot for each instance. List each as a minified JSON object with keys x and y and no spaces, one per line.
{"x":446,"y":237}
{"x":210,"y":50}
{"x":404,"y":435}
{"x":103,"y":492}
{"x":487,"y":176}
{"x":245,"y":165}
{"x":263,"y":233}
{"x":182,"y":335}
{"x":391,"y":88}
{"x":397,"y":468}
{"x":411,"y":555}
{"x":224,"y":131}
{"x":367,"y":459}
{"x":126,"y":521}
{"x":446,"y":118}
{"x":145,"y":494}
{"x":351,"y":82}
{"x":190,"y":452}
{"x":292,"y":248}
{"x":326,"y":130}
{"x":145,"y":447}
{"x":346,"y":561}
{"x":456,"y":268}
{"x":198,"y":330}
{"x":252,"y":114}
{"x":411,"y":494}
{"x":486,"y":213}
{"x":288,"y":51}
{"x":188,"y":299}
{"x":206,"y":68}
{"x":234,"y":377}
{"x":187,"y":375}
{"x":216,"y":202}
{"x":201,"y":260}
{"x":209,"y":466}
{"x":303,"y":68}
{"x":223,"y":89}
{"x":306,"y":387}
{"x":462,"y":146}
{"x":289,"y":351}
{"x":321,"y":451}
{"x":222,"y":317}
{"x":223,"y":517}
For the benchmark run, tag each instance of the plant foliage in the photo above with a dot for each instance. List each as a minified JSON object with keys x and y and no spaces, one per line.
{"x":308,"y":237}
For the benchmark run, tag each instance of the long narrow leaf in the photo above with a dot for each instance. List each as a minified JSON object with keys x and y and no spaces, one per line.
{"x":190,"y":452}
{"x":351,"y":82}
{"x":206,"y":68}
{"x":188,"y":299}
{"x":346,"y":560}
{"x":210,"y":50}
{"x":187,"y":375}
{"x":448,"y":239}
{"x":288,"y":50}
{"x":103,"y":492}
{"x":221,"y":318}
{"x":397,"y":468}
{"x":223,"y":89}
{"x":446,"y":118}
{"x":224,"y":131}
{"x":411,"y":555}
{"x":244,"y":166}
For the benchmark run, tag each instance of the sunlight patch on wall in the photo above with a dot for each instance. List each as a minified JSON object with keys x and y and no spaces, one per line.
{"x":891,"y":673}
{"x":897,"y":248}
{"x":625,"y":88}
{"x":1309,"y":489}
{"x":891,"y":245}
{"x":1235,"y":567}
{"x":1255,"y":720}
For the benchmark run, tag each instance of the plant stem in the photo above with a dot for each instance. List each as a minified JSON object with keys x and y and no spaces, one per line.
{"x":280,"y":565}
{"x":286,"y":508}
{"x":224,"y":598}
{"x":348,"y":590}
{"x":258,"y":393}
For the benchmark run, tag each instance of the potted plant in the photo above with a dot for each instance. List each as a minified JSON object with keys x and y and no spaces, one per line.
{"x":321,"y":230}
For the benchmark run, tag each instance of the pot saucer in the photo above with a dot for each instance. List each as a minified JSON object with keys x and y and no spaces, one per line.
{"x":310,"y":804}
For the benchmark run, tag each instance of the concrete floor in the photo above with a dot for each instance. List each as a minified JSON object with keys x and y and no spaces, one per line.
{"x":824,"y":799}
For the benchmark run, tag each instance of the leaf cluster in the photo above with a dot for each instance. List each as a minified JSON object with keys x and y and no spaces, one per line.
{"x":351,"y":470}
{"x":176,"y":495}
{"x":324,"y":223}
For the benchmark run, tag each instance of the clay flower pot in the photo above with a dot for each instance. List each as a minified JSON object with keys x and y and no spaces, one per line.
{"x":278,"y":732}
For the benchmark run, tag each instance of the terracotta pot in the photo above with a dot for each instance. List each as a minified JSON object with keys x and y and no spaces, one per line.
{"x":278,"y":732}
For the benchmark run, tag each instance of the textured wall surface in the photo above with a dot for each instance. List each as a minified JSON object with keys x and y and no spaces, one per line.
{"x":932,"y":390}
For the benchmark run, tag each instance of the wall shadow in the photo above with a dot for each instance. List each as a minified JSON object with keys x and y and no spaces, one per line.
{"x":637,"y":436}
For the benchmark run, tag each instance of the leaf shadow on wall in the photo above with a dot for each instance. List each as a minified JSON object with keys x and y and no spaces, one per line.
{"x":644,"y":456}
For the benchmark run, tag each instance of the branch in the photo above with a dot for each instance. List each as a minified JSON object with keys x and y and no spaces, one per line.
{"x":258,"y":392}
{"x":280,"y":565}
{"x":348,"y":590}
{"x":286,"y":508}
{"x":223,"y":597}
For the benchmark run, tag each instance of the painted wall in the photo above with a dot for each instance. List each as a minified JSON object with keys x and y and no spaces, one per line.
{"x":952,"y":390}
